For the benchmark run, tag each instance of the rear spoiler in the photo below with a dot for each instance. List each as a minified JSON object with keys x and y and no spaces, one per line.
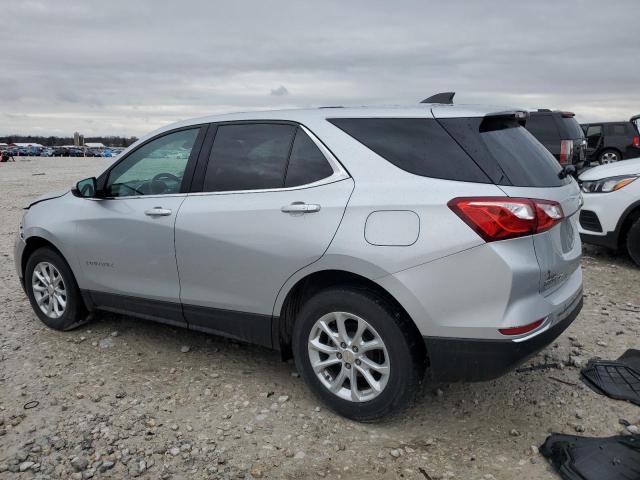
{"x":500,"y":120}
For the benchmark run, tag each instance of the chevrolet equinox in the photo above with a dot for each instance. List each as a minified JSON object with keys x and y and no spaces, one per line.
{"x":371,"y":244}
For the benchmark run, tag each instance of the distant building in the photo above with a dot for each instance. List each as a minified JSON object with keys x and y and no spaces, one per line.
{"x":94,"y":145}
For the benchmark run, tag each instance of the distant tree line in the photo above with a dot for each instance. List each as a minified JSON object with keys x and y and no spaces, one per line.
{"x":110,"y":141}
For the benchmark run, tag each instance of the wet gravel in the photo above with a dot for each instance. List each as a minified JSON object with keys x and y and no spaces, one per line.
{"x":121,"y":397}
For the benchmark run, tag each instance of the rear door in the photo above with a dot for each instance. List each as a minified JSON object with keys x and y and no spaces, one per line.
{"x":267,"y":202}
{"x":529,"y":171}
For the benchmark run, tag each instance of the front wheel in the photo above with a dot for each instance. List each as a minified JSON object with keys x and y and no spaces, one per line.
{"x":356,"y":352}
{"x":633,"y":241}
{"x":53,"y":291}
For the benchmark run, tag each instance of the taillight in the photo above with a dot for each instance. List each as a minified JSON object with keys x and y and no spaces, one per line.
{"x":523,"y":329}
{"x":636,"y":141}
{"x":501,"y":218}
{"x":566,"y":151}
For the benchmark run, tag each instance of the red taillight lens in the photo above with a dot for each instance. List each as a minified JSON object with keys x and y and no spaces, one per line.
{"x":636,"y":142}
{"x":501,"y":218}
{"x":520,"y":330}
{"x":566,"y":151}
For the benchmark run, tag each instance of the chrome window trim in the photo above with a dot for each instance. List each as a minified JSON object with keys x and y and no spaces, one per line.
{"x":339,"y":173}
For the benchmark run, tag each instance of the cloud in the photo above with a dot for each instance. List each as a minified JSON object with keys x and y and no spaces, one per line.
{"x":122,"y":67}
{"x":281,"y":91}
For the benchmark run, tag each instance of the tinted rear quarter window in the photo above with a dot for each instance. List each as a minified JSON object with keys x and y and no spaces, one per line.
{"x":307,"y":163}
{"x":523,"y":160}
{"x":618,"y":129}
{"x":417,"y":145}
{"x":248,"y":157}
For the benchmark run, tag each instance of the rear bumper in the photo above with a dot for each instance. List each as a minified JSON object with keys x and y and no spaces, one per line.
{"x":609,"y":240}
{"x":480,"y":360}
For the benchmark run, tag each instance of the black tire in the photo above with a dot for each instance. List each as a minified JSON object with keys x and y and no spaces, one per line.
{"x":633,"y":241}
{"x":405,"y":350}
{"x":75,"y":312}
{"x":609,"y":151}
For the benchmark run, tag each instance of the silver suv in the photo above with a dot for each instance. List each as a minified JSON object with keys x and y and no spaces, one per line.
{"x":369,"y":243}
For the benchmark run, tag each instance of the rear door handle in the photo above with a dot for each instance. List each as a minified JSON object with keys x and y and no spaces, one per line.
{"x":158,"y":212}
{"x":301,"y":207}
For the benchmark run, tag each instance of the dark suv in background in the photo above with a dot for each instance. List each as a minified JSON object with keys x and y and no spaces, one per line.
{"x":609,"y":142}
{"x":561,"y":134}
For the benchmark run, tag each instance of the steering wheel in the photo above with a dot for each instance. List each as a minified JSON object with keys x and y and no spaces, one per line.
{"x":166,"y":176}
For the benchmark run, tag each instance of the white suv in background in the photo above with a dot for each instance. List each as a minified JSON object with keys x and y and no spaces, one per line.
{"x":610,"y":215}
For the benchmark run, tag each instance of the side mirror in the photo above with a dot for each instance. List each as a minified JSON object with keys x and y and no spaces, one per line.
{"x":86,"y":188}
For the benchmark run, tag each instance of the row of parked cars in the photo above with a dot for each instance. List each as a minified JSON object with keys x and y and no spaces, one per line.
{"x":586,"y":144}
{"x":34,"y":151}
{"x":610,"y":216}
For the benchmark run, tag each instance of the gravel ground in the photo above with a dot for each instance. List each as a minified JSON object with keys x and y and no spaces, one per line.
{"x":121,"y":398}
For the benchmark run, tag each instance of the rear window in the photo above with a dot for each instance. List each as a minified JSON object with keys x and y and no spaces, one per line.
{"x":572,"y":127}
{"x":417,"y":145}
{"x":508,"y":150}
{"x":543,"y":127}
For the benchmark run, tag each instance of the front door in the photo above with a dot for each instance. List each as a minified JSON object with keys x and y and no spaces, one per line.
{"x":270,"y":204}
{"x":126,"y":239}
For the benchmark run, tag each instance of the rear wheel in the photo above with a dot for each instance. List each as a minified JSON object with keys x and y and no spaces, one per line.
{"x":53,"y":291}
{"x":633,"y":241}
{"x":609,"y":156}
{"x":356,"y":353}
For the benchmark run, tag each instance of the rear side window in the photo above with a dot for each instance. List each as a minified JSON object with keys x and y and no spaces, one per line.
{"x":513,"y":151}
{"x":248,"y":157}
{"x":307,"y":163}
{"x":543,"y":127}
{"x":417,"y":145}
{"x":617,"y":129}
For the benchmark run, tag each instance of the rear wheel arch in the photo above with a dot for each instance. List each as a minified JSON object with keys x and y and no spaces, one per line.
{"x":610,"y":149}
{"x":321,"y":280}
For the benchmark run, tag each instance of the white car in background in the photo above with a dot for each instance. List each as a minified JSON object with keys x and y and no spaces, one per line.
{"x":610,"y":215}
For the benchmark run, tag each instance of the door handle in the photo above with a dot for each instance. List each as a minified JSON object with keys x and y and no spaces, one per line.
{"x":158,"y":212}
{"x":300,"y":208}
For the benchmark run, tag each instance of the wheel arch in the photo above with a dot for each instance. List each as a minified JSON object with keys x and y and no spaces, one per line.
{"x":32,"y":244}
{"x":630,"y":215}
{"x":313,"y":282}
{"x":613,"y":149}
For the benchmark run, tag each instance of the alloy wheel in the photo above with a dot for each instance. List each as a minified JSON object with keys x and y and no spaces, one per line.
{"x":49,"y":290}
{"x":348,"y":356}
{"x":609,"y":157}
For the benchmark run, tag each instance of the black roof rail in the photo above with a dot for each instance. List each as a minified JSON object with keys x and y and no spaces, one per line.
{"x":444,"y":98}
{"x":544,"y":110}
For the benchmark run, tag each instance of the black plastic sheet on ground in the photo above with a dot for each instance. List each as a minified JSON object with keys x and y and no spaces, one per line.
{"x":619,"y":379}
{"x":582,"y":458}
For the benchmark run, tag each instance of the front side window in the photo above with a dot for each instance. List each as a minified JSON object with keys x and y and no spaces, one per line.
{"x":249,"y":157}
{"x":156,"y":168}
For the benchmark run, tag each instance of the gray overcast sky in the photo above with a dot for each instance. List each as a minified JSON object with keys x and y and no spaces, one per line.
{"x":127,"y":67}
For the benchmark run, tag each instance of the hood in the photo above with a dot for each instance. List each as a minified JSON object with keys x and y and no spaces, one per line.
{"x":625,"y":167}
{"x":46,"y":196}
